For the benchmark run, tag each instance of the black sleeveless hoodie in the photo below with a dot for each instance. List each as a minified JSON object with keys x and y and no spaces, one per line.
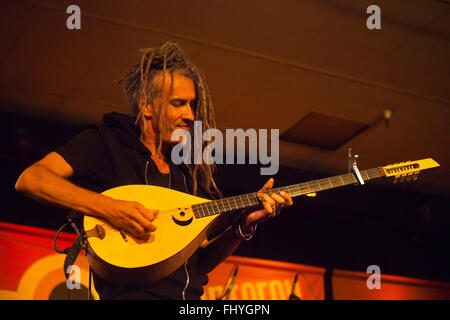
{"x":129,"y":162}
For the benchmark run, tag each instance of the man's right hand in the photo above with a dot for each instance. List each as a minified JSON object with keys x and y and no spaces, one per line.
{"x":131,"y":217}
{"x":47,"y":181}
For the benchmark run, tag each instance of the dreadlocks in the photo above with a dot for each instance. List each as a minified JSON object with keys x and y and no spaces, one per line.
{"x":141,"y":88}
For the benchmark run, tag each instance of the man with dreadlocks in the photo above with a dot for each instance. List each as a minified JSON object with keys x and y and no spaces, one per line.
{"x":166,"y":92}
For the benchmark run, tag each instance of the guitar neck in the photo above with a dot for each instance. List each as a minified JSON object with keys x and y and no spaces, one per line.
{"x":251,"y":200}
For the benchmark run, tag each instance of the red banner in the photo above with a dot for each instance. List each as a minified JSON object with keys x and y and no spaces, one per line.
{"x":31,"y":269}
{"x":258,"y":279}
{"x":359,"y":286}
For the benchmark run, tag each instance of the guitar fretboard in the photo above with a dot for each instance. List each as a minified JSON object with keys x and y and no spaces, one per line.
{"x":251,"y":200}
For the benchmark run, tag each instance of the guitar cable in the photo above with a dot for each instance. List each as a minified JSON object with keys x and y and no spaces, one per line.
{"x":183,"y":293}
{"x":185,"y":264}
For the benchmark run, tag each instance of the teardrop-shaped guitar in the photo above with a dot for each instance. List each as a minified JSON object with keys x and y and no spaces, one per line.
{"x":185,"y":221}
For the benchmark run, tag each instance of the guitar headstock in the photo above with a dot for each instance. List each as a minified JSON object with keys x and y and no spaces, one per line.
{"x":409,"y":168}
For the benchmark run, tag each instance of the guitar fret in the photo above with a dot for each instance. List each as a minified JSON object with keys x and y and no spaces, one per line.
{"x":205,"y":208}
{"x":235,"y":203}
{"x":239,"y":203}
{"x":210,"y":207}
{"x":202,"y":214}
{"x":242,"y":205}
{"x":226,"y":204}
{"x":221,"y":202}
{"x":299,"y":189}
{"x":304,"y":188}
{"x":232,"y":204}
{"x":335,"y":181}
{"x":318,"y":184}
{"x":365,"y":173}
{"x":250,"y":199}
{"x":328,"y":183}
{"x":292,"y":191}
{"x":314,"y":186}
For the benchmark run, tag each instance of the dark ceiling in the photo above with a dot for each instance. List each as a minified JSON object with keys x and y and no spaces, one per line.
{"x":269,"y":64}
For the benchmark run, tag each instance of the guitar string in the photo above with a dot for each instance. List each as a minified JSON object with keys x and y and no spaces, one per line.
{"x":294,"y":189}
{"x":165,"y":219}
{"x":168,"y":220}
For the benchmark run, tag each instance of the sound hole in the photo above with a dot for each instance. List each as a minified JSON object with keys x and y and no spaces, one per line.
{"x":183,"y":218}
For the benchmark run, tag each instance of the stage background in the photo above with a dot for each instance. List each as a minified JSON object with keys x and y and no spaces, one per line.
{"x":31,"y":270}
{"x":312,"y":69}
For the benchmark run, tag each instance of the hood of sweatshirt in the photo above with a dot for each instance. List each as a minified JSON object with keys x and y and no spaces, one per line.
{"x":129,"y":134}
{"x":127,"y":131}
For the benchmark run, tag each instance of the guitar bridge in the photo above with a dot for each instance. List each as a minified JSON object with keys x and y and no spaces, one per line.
{"x":98,"y":231}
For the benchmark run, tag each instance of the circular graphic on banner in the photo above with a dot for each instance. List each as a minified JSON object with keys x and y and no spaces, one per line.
{"x":45,"y":280}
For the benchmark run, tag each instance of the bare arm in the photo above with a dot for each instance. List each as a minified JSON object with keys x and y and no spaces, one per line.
{"x":47,"y":181}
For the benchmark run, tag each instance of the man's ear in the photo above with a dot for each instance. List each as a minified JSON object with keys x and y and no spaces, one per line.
{"x":148,"y":111}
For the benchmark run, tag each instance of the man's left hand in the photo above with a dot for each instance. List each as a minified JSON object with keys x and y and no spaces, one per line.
{"x":272,"y":205}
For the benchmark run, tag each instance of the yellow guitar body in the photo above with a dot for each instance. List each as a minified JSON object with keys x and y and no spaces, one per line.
{"x":121,"y":258}
{"x":118,"y":257}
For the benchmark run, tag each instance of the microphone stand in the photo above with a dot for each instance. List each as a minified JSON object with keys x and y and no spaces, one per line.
{"x":292,"y":296}
{"x":230,"y":281}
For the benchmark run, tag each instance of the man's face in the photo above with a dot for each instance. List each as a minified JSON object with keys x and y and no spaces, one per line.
{"x":180,"y":103}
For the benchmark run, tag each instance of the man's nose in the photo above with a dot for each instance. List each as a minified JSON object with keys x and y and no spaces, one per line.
{"x":189,"y":114}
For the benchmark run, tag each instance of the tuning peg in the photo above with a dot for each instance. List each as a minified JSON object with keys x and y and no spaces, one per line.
{"x":415,"y":176}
